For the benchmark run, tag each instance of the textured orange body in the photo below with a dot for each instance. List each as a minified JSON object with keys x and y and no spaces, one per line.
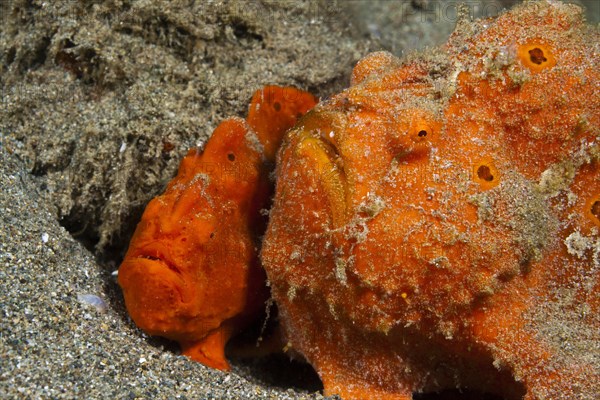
{"x":191,"y":273}
{"x":437,"y":224}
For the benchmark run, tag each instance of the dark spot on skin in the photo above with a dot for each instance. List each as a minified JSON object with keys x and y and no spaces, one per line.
{"x":537,"y":56}
{"x":422,"y":133}
{"x":212,"y":235}
{"x":483,"y":172}
{"x":231,"y":157}
{"x":596,"y":209}
{"x":277,"y":106}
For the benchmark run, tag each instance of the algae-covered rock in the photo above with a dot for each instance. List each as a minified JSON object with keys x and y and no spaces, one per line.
{"x":107,"y":97}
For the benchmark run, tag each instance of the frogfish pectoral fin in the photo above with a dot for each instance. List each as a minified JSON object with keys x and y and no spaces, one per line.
{"x":209,"y":350}
{"x":352,"y":388}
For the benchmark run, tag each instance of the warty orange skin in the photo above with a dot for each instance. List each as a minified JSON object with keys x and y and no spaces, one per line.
{"x":436,"y":224}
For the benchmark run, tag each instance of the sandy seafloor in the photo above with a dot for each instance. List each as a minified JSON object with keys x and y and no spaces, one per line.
{"x":99,"y":103}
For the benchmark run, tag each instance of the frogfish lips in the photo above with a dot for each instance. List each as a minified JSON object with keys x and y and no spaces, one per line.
{"x":156,"y":294}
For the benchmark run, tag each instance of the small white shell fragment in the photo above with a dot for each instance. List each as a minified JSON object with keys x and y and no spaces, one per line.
{"x":123,"y":147}
{"x":93,"y":300}
{"x":45,"y":237}
{"x":115,"y":273}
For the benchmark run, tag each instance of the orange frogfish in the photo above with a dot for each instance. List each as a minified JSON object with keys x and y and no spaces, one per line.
{"x":191,"y":273}
{"x":437,"y":224}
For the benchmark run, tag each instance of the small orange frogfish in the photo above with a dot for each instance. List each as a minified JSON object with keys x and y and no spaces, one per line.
{"x":191,"y":273}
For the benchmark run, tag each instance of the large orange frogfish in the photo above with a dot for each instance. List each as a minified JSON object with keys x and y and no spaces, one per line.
{"x":191,"y":273}
{"x":437,"y":224}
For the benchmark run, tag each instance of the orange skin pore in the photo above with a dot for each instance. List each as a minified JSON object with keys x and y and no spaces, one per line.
{"x":191,"y":273}
{"x":436,"y":225}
